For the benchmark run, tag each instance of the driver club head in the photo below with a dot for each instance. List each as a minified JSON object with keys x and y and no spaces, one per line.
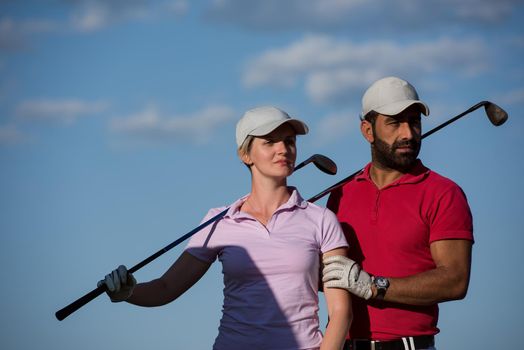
{"x":324,"y":164}
{"x":496,"y":115}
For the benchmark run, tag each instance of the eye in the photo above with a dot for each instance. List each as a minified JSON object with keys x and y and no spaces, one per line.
{"x":393,"y":122}
{"x":417,"y":123}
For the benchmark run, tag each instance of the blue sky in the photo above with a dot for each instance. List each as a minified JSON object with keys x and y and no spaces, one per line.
{"x":117,"y":135}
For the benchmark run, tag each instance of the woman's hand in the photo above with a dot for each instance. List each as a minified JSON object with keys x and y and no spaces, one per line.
{"x":120,"y":284}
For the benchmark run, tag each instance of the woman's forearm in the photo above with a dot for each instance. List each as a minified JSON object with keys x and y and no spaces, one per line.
{"x":336,"y":330}
{"x":340,"y":313}
{"x":181,"y":276}
{"x":153,"y":293}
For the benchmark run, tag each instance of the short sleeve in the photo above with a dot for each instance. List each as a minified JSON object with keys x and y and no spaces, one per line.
{"x":451,"y":216}
{"x":201,"y":244}
{"x":332,"y":234}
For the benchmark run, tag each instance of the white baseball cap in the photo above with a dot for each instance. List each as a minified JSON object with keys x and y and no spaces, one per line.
{"x":261,"y":121}
{"x":390,"y":96}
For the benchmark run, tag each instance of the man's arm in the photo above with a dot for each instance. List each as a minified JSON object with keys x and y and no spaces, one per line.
{"x":448,"y":281}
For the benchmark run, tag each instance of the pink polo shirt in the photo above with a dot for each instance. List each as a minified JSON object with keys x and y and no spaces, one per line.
{"x":271,"y":273}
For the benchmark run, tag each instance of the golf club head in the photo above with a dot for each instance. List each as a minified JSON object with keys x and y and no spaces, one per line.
{"x":496,"y":115}
{"x":324,"y":164}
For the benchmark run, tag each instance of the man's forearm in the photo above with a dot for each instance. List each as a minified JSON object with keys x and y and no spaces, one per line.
{"x":427,"y":288}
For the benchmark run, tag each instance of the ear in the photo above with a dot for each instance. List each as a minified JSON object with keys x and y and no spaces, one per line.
{"x":367,"y":131}
{"x":246,"y":159}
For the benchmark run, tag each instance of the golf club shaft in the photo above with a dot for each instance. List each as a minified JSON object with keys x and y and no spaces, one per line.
{"x":77,"y":304}
{"x":426,"y":134}
{"x":454,"y":119}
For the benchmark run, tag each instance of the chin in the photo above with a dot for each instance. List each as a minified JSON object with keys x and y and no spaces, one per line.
{"x":284,"y":174}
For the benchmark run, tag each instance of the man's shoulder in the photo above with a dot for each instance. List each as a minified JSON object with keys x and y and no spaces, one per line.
{"x":438,"y":180}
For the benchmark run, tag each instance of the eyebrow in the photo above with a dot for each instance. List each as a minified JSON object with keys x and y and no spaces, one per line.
{"x":399,"y":117}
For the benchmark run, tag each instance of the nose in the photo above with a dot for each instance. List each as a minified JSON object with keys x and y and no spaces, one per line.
{"x":405,"y":131}
{"x":281,"y":147}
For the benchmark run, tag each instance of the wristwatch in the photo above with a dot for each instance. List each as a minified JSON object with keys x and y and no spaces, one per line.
{"x":382,"y":285}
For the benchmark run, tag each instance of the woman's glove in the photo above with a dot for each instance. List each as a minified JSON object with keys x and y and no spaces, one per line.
{"x":120,"y":284}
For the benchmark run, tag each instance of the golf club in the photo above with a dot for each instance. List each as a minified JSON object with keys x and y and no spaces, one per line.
{"x":496,"y":115}
{"x":323,"y":163}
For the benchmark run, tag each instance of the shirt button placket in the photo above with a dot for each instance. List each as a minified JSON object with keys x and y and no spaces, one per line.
{"x":374,"y":215}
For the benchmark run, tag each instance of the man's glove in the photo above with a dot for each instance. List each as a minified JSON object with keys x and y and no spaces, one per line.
{"x":120,"y":284}
{"x":341,"y":272}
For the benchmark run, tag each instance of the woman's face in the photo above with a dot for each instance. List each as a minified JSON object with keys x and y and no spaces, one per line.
{"x":274,"y":154}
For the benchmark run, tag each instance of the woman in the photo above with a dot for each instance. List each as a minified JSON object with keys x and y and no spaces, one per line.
{"x":270,"y":244}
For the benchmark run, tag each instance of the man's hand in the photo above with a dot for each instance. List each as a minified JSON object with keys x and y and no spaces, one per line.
{"x":341,"y":272}
{"x":120,"y":284}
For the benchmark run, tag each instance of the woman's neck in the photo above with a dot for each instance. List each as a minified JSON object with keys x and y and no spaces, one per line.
{"x":265,"y":198}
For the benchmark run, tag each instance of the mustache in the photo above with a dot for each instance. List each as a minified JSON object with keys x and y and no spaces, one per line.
{"x":406,"y":143}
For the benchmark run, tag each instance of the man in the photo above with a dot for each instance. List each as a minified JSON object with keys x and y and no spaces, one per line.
{"x":409,"y":228}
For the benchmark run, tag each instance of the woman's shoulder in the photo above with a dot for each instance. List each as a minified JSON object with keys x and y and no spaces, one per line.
{"x":320,"y":211}
{"x":214,"y":212}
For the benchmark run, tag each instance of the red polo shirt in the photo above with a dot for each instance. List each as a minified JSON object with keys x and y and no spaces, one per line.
{"x":389,"y":232}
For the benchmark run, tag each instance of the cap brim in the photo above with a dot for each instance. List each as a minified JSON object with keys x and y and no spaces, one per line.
{"x":398,"y":107}
{"x":299,"y":126}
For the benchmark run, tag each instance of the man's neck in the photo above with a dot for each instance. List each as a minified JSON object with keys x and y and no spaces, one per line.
{"x":383,"y":176}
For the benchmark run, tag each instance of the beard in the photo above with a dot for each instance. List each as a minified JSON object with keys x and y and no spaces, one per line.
{"x":386,"y":155}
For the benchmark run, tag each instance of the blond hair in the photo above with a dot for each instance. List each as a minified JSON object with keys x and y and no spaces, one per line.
{"x":245,"y":148}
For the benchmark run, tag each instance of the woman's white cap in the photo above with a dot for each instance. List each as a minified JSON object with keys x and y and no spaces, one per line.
{"x":261,"y":121}
{"x":390,"y":96}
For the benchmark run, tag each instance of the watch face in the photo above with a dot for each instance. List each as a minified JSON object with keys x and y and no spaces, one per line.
{"x":381,"y":282}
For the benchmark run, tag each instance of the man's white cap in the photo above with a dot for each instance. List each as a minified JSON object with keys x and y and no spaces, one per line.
{"x":261,"y":121}
{"x":390,"y":96}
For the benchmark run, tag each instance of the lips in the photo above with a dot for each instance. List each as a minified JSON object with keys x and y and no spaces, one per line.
{"x":283,"y":163}
{"x":405,"y":149}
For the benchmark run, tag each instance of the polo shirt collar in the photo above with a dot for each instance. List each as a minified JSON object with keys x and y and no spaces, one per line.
{"x":418,"y":173}
{"x":295,"y":200}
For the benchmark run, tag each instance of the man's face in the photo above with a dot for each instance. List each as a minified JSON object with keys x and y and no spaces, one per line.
{"x":396,"y":139}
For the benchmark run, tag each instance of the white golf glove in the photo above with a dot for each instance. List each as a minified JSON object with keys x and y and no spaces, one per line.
{"x":120,"y":284}
{"x":342,"y":272}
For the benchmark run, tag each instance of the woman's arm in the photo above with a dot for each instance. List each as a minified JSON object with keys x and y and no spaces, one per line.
{"x":339,"y":311}
{"x":181,"y":276}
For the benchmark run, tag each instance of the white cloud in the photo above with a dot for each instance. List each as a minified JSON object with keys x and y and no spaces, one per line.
{"x":276,"y":14}
{"x":514,"y":97}
{"x":332,"y":69}
{"x":13,"y":33}
{"x":332,"y":85}
{"x":9,"y":134}
{"x":335,"y":126}
{"x":360,"y":14}
{"x":516,"y":42}
{"x":197,"y":127}
{"x":91,"y":18}
{"x":177,"y":7}
{"x":86,"y":16}
{"x":57,"y":110}
{"x":484,"y":10}
{"x":93,"y":15}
